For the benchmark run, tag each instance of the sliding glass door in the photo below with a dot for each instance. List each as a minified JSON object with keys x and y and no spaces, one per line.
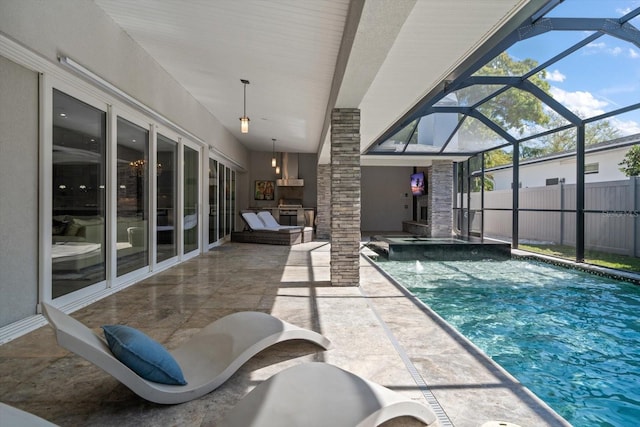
{"x":167,"y":198}
{"x":78,"y":195}
{"x":112,"y":178}
{"x":213,"y":201}
{"x":132,"y":222}
{"x":191,"y":198}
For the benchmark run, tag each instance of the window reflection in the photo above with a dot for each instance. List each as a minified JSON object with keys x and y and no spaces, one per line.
{"x":78,"y":195}
{"x":213,"y":201}
{"x":222,"y":201}
{"x":166,"y":198}
{"x":132,"y":197}
{"x":191,"y":191}
{"x":227,"y":198}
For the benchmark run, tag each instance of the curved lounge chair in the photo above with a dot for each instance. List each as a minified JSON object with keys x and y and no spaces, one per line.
{"x":207,"y":359}
{"x":11,"y":416}
{"x":320,"y":394}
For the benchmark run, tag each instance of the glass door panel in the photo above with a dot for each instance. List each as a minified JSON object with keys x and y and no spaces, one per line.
{"x":233,"y":201}
{"x":132,"y":224}
{"x":227,"y":200}
{"x":167,"y":178}
{"x":213,"y":201}
{"x":191,"y":199}
{"x":221,"y":201}
{"x":79,"y":195}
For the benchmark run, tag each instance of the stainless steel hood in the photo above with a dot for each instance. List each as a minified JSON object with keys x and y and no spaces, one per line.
{"x":290,"y":171}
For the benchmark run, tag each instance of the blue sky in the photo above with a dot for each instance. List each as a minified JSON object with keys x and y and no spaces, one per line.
{"x":601,"y":77}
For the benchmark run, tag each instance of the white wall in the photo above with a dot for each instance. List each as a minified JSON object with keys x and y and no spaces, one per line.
{"x":386,"y":198}
{"x":81,"y":30}
{"x":18,"y":192}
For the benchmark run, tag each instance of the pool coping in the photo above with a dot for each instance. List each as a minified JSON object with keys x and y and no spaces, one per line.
{"x":625,"y":276}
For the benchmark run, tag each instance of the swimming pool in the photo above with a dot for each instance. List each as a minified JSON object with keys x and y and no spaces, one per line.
{"x":571,"y":337}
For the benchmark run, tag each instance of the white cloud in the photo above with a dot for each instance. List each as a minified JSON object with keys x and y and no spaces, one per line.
{"x":555,"y":76}
{"x":626,"y":127}
{"x":601,"y":47}
{"x":584,"y":104}
{"x":633,"y":53}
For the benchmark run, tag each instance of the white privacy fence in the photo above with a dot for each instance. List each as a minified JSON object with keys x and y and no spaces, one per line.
{"x":614,"y":228}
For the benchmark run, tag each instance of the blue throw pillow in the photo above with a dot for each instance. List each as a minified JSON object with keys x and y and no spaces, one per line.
{"x":143,"y":355}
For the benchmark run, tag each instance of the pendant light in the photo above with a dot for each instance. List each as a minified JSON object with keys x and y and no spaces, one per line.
{"x":274,"y":163}
{"x":244,"y":120}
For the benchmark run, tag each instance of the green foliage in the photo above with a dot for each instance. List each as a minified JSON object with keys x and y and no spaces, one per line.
{"x":497,"y":158}
{"x":564,"y":141}
{"x":631,"y":162}
{"x":515,"y":110}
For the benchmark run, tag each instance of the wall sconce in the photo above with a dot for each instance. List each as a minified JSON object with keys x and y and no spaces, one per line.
{"x":244,"y":120}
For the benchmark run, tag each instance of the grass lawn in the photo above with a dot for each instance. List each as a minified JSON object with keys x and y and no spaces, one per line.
{"x":603,"y":259}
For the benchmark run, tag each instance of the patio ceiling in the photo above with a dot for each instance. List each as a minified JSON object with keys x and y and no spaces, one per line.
{"x":304,"y":58}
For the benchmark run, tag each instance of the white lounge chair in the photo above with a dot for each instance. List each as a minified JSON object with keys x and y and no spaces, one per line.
{"x":270,"y":222}
{"x":207,"y":359}
{"x":253,"y":221}
{"x":11,"y":416}
{"x":258,"y":232}
{"x":320,"y":394}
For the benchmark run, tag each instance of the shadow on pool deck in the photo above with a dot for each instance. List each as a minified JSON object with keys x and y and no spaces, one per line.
{"x":377,"y":331}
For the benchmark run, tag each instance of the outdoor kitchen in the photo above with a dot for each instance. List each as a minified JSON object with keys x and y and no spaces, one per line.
{"x":289,"y":197}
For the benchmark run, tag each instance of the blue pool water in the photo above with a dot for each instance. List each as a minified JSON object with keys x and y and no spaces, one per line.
{"x":571,"y":337}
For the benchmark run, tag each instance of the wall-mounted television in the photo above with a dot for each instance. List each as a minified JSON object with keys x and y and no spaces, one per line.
{"x":418,"y":187}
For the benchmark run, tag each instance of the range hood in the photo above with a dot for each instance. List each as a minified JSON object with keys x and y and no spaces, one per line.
{"x":290,"y":171}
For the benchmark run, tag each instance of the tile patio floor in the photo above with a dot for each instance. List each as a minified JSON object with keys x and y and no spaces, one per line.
{"x":377,"y":331}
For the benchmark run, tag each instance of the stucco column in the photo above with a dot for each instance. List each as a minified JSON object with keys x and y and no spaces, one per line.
{"x":440,"y":198}
{"x":323,"y":214}
{"x":345,"y":197}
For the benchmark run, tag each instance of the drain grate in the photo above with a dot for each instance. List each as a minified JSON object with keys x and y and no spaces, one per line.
{"x":441,"y":415}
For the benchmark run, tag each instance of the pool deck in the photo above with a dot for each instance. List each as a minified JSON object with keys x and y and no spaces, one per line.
{"x":377,"y":331}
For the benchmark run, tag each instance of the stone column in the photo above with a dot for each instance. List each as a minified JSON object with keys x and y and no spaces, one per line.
{"x":345,"y":197}
{"x":323,"y":214}
{"x":440,"y":198}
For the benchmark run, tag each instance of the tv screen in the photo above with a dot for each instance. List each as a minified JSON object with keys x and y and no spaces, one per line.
{"x":417,"y":184}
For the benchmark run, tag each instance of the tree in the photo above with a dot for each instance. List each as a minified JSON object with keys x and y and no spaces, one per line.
{"x":564,"y":141}
{"x":631,"y":162}
{"x":515,"y":110}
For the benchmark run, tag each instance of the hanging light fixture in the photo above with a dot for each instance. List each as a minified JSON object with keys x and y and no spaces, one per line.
{"x":274,"y":163}
{"x":278,"y":170}
{"x":244,"y":120}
